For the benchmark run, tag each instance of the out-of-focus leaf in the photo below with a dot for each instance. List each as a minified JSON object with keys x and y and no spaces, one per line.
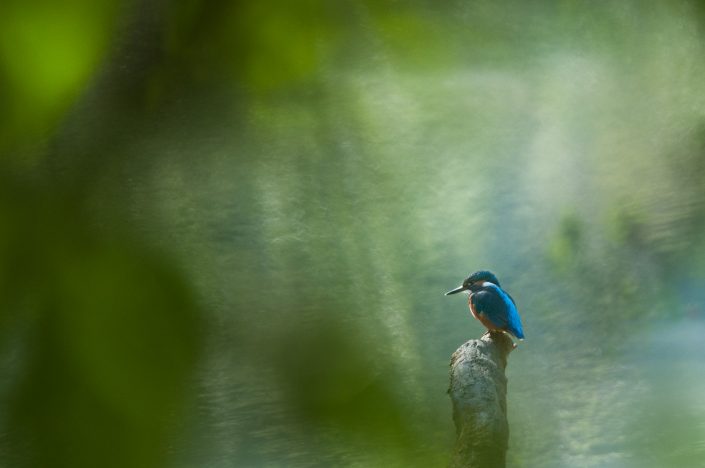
{"x":262,"y":46}
{"x":111,"y":336}
{"x":48,"y":52}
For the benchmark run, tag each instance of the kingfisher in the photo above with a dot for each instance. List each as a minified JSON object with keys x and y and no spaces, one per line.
{"x":490,"y":304}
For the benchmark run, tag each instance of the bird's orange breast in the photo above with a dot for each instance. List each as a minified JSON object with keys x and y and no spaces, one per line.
{"x":472,"y":308}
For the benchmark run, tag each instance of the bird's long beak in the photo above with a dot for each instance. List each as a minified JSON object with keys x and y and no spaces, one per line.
{"x":456,"y":290}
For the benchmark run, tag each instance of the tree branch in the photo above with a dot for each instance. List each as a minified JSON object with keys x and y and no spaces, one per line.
{"x":478,"y":391}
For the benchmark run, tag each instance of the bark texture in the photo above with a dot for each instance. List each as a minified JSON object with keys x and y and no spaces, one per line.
{"x":478,"y":391}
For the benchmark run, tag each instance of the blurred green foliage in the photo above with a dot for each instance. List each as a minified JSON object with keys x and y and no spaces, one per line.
{"x":260,"y":45}
{"x":226,"y":228}
{"x":48,"y":54}
{"x":103,"y":336}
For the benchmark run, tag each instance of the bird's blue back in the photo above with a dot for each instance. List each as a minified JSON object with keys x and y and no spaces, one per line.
{"x":499,"y":308}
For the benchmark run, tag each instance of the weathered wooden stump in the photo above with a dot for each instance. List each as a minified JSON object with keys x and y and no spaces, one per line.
{"x":478,"y":391}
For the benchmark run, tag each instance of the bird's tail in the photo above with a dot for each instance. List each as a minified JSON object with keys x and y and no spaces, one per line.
{"x":516,"y":330}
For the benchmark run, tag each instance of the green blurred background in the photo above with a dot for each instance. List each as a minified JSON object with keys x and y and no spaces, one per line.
{"x":226,"y":228}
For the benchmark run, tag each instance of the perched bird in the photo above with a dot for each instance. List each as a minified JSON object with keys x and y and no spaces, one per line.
{"x":489,"y":304}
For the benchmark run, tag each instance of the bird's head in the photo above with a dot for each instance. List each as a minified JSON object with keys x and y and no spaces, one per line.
{"x":474,"y":282}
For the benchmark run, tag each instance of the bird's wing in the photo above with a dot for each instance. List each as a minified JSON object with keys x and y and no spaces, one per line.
{"x":499,"y":308}
{"x":514,"y":319}
{"x":490,"y":304}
